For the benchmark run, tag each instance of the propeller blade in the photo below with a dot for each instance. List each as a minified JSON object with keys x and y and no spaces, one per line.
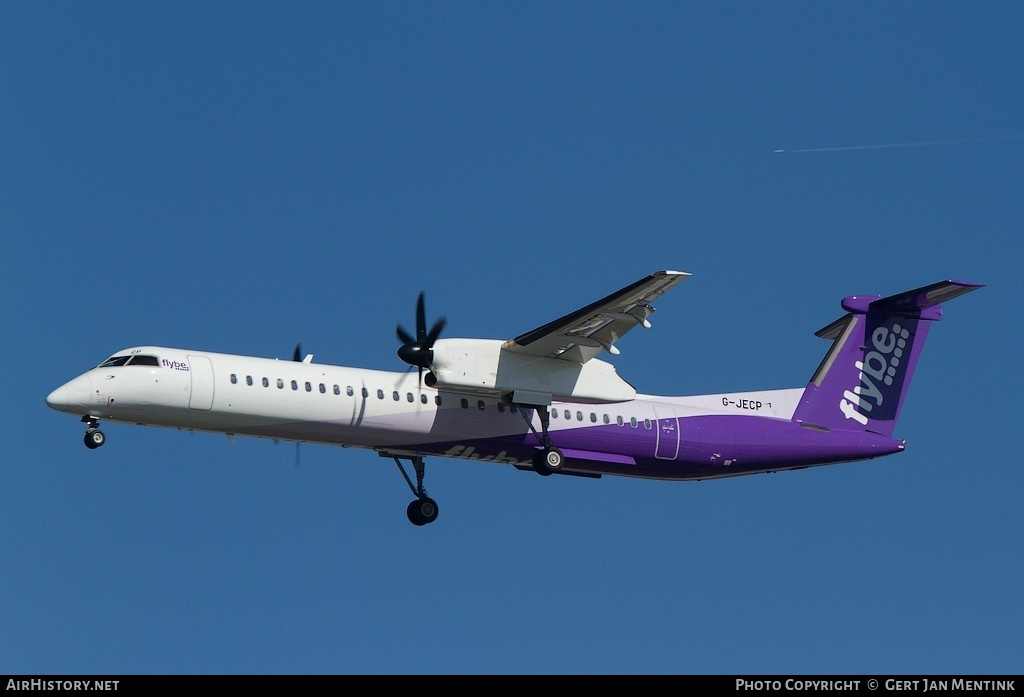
{"x":421,"y":320}
{"x":435,"y":331}
{"x":404,"y":336}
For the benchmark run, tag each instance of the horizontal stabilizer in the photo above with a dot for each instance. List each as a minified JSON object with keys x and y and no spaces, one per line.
{"x":920,"y":302}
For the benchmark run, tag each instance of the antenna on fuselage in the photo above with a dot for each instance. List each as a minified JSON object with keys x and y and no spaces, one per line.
{"x":297,"y":356}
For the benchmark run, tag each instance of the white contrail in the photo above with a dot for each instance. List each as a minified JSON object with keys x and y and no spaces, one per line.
{"x":914,"y":144}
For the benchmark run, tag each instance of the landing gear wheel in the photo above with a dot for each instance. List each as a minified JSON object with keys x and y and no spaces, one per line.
{"x":422,"y":511}
{"x":548,"y":461}
{"x":94,"y":438}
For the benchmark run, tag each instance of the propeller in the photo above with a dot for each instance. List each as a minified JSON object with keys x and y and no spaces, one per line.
{"x":419,"y":351}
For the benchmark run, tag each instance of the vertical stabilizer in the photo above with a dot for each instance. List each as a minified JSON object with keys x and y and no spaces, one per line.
{"x":863,"y":380}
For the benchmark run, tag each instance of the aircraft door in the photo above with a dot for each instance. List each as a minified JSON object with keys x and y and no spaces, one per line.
{"x":201,"y":370}
{"x":667,"y":423}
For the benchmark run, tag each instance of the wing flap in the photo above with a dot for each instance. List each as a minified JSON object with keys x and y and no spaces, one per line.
{"x":583,"y":334}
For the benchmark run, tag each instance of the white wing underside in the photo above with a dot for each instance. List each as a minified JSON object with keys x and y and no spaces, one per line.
{"x":583,"y":334}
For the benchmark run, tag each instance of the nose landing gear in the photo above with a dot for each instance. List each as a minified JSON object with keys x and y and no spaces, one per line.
{"x":94,"y":437}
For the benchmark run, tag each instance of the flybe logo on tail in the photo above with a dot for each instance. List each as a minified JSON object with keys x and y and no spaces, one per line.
{"x":878,"y":368}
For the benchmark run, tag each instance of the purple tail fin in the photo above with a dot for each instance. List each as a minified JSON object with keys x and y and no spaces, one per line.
{"x":861,"y":383}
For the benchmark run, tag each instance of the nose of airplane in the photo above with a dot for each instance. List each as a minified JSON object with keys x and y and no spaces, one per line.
{"x":59,"y":399}
{"x":71,"y":396}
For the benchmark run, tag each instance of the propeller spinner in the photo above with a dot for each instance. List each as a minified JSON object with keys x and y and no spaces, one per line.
{"x":419,"y":351}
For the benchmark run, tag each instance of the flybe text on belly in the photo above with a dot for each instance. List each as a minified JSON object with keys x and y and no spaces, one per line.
{"x":878,"y":367}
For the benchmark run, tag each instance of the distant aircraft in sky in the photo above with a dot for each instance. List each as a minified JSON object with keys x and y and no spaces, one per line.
{"x":542,"y":401}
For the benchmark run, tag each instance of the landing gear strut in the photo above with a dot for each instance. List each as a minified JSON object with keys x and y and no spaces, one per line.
{"x":549,"y":460}
{"x":423,"y":509}
{"x":94,"y":437}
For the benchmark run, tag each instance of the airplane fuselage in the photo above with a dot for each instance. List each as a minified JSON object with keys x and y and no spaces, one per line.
{"x":673,"y":438}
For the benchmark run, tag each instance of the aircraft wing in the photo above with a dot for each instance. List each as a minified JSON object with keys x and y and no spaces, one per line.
{"x":583,"y":334}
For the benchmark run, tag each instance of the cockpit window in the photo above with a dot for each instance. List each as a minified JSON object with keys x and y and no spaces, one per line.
{"x":137,"y":359}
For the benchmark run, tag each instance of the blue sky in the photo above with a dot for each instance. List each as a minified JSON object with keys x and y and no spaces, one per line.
{"x":240,"y":177}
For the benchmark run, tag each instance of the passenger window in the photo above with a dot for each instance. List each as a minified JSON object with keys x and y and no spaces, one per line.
{"x":647,"y":423}
{"x":606,"y":419}
{"x":380,"y":394}
{"x":280,"y":384}
{"x":309,"y":388}
{"x":266,"y":382}
{"x":632,"y":421}
{"x":423,"y":399}
{"x":554,"y":412}
{"x":323,"y":388}
{"x":295,"y":385}
{"x":365,"y":392}
{"x":579,"y":416}
{"x":593,"y":418}
{"x":567,"y":415}
{"x":437,"y":399}
{"x":618,"y":420}
{"x":337,"y":390}
{"x":234,"y":379}
{"x":465,"y":403}
{"x":480,"y":404}
{"x":409,"y":397}
{"x":248,"y":380}
{"x":349,"y":391}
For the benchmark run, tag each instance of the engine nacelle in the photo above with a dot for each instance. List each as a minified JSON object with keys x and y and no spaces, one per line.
{"x":483,"y":366}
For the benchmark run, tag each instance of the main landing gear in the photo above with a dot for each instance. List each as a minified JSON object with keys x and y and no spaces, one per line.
{"x":94,"y":437}
{"x":549,"y":460}
{"x":423,"y":509}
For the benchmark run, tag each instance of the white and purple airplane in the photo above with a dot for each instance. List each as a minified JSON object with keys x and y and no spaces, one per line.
{"x":542,"y":401}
